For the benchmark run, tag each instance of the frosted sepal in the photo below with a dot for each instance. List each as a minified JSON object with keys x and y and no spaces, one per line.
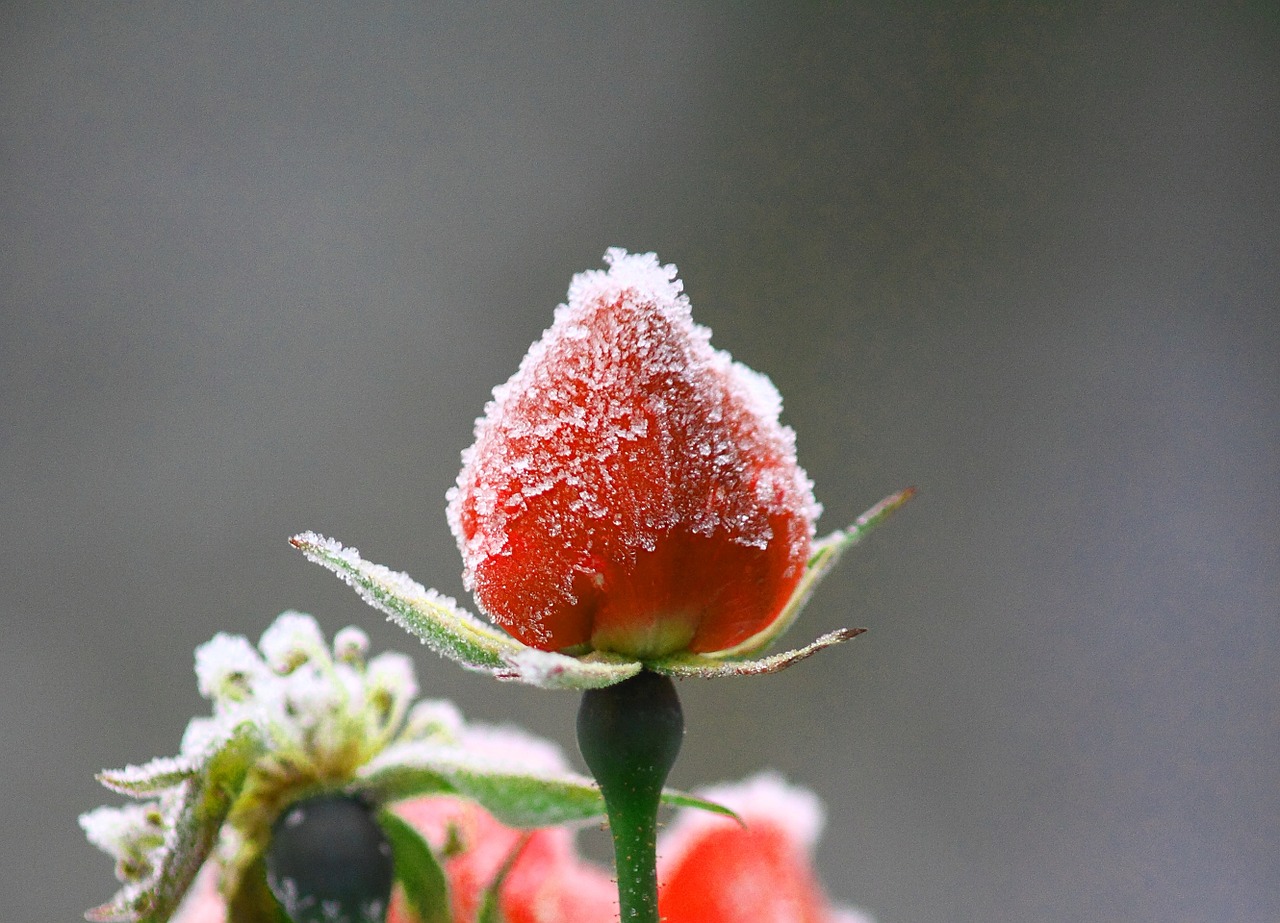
{"x":455,"y":633}
{"x":707,"y":667}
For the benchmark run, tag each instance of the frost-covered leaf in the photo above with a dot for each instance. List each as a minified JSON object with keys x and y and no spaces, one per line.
{"x":425,"y":886}
{"x":200,"y":805}
{"x":823,"y":556}
{"x":706,"y":667}
{"x":453,"y":632}
{"x":150,"y":778}
{"x":460,"y":636}
{"x":435,"y":619}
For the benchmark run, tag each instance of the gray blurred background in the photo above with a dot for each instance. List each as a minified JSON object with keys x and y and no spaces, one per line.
{"x":260,"y":266}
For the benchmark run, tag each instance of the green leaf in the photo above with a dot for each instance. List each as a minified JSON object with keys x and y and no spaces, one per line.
{"x":150,"y":778}
{"x":435,"y":619}
{"x":205,"y":800}
{"x":453,"y":632}
{"x":673,"y":798}
{"x":525,"y":800}
{"x":426,"y":888}
{"x":518,"y":799}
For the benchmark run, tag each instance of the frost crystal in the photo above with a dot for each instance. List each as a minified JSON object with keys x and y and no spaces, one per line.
{"x":228,"y":668}
{"x":292,"y":640}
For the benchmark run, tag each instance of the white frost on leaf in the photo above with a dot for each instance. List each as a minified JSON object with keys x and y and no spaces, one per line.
{"x":549,"y":670}
{"x":151,"y":777}
{"x":118,"y":830}
{"x":451,"y":631}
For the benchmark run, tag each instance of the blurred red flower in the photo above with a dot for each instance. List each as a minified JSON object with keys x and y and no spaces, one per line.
{"x":713,"y":869}
{"x":630,"y":488}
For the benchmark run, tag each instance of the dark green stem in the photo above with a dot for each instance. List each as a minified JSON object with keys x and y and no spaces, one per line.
{"x":630,"y":734}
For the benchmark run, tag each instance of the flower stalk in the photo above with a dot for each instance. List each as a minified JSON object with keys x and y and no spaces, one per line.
{"x":630,"y":735}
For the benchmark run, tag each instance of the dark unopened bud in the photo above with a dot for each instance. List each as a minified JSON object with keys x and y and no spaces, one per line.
{"x":330,"y":862}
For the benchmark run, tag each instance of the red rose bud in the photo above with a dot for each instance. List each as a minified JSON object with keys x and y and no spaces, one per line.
{"x":630,"y":488}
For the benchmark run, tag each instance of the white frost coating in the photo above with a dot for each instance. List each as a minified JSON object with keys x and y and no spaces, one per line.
{"x":170,"y":767}
{"x":204,"y":736}
{"x":393,"y":672}
{"x":762,"y":799}
{"x":292,"y":639}
{"x":396,"y":583}
{"x":227,"y":667}
{"x":115,"y":830}
{"x":639,"y":271}
{"x":308,"y":699}
{"x":299,"y":697}
{"x":351,"y":644}
{"x":624,"y":412}
{"x":548,"y":670}
{"x":433,"y":718}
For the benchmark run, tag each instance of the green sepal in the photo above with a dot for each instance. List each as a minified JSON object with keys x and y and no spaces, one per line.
{"x":421,"y":878}
{"x":709,"y":667}
{"x":457,"y":634}
{"x":453,"y":632}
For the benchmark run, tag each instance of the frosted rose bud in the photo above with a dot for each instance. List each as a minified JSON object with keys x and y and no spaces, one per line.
{"x":630,"y":488}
